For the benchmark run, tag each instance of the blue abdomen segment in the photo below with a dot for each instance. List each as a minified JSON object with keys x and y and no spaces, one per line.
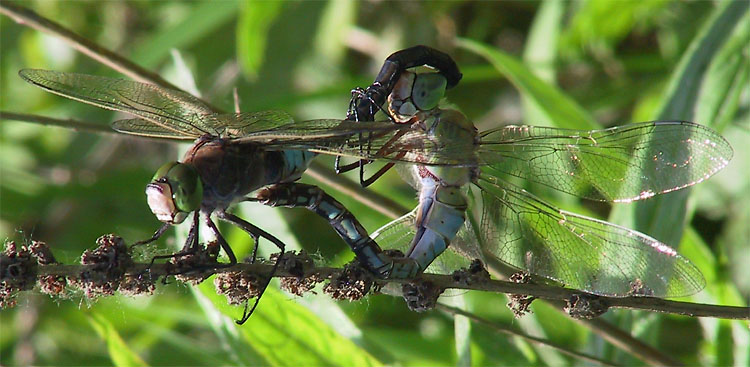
{"x":295,"y":162}
{"x":368,"y":253}
{"x":441,"y":215}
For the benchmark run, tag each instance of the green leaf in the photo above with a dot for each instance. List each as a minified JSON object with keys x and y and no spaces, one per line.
{"x":337,"y":18}
{"x":600,"y":24}
{"x":663,"y":216}
{"x":119,"y":351}
{"x":200,"y":22}
{"x":252,"y":33}
{"x":540,"y":54}
{"x":286,"y":334}
{"x":686,"y":81}
{"x":462,"y":332}
{"x":726,"y":79}
{"x":557,"y":107}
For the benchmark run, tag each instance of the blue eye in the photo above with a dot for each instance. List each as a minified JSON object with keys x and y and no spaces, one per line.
{"x":428,"y":90}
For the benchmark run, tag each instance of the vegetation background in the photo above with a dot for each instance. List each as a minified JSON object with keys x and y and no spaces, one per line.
{"x":568,"y":64}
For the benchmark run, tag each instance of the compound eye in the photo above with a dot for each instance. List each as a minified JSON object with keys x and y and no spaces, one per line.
{"x":175,"y":191}
{"x":428,"y":90}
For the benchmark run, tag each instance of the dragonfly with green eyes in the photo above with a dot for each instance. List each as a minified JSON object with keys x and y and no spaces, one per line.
{"x":469,"y":204}
{"x":234,"y":157}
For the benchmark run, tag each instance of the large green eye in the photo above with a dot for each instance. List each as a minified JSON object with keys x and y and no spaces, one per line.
{"x":187,"y":189}
{"x":428,"y":89}
{"x":175,"y":191}
{"x":163,"y":170}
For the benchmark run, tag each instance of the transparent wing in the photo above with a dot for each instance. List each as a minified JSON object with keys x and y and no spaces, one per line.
{"x":178,"y":114}
{"x":149,"y":129}
{"x":239,"y":125}
{"x":366,"y":140}
{"x":580,"y":252}
{"x":399,"y":234}
{"x":623,"y":163}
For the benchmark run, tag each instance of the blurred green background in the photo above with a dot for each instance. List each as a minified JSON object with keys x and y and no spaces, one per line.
{"x":568,"y":64}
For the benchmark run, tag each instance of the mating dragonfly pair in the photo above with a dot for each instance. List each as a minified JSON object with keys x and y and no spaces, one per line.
{"x":467,"y":202}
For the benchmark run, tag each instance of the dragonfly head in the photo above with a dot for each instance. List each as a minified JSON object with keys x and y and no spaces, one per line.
{"x":415,"y":92}
{"x":174,"y":192}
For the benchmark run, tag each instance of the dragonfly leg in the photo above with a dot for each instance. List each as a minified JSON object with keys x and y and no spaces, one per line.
{"x":362,"y":107}
{"x":387,"y":148}
{"x":159,"y":232}
{"x":256,"y":233}
{"x":222,"y":242}
{"x":367,"y":251}
{"x":191,"y":243}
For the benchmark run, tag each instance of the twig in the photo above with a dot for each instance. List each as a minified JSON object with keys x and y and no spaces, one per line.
{"x":76,"y":125}
{"x":106,"y":57}
{"x":448,"y":282}
{"x":623,"y":341}
{"x":510,"y":331}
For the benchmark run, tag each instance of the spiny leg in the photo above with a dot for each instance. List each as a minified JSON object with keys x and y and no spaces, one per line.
{"x":222,"y":242}
{"x":191,"y":243}
{"x":383,"y":151}
{"x":256,"y":233}
{"x":159,"y":232}
{"x":363,"y":106}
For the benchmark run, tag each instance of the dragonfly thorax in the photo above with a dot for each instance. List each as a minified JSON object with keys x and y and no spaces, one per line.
{"x":230,"y":170}
{"x":174,"y":192}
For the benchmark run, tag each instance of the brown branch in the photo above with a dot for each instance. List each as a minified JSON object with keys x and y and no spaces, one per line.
{"x":442,"y":281}
{"x":627,"y":343}
{"x":110,"y":268}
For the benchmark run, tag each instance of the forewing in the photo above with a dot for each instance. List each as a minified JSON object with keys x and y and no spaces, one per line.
{"x":366,"y":140}
{"x":172,"y":110}
{"x":148,"y":129}
{"x":623,"y":163}
{"x":240,"y":125}
{"x":580,"y":252}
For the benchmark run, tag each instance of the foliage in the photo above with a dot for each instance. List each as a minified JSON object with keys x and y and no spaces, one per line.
{"x":574,"y":64}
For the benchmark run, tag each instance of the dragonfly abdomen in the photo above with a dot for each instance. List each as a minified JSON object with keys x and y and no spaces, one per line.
{"x":440,"y":215}
{"x":295,"y":162}
{"x":367,"y":251}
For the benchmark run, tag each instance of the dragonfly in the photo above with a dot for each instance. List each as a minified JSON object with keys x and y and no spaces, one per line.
{"x":237,"y":157}
{"x":469,"y":204}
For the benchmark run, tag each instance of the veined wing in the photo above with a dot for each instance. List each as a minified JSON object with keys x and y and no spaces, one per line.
{"x":148,"y":129}
{"x":622,"y":164}
{"x":240,"y":125}
{"x":580,"y":252}
{"x":365,"y":140}
{"x":400,"y":233}
{"x":175,"y":111}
